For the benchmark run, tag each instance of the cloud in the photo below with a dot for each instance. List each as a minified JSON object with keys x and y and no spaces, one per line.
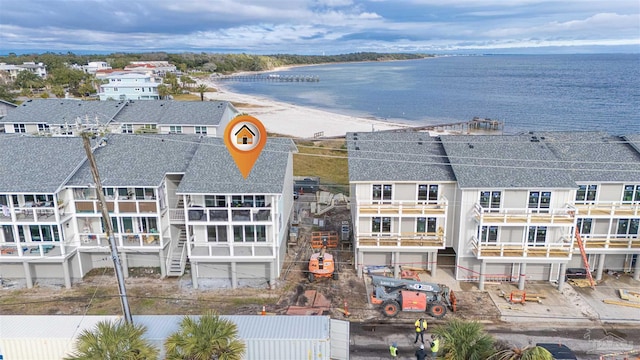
{"x":312,"y":26}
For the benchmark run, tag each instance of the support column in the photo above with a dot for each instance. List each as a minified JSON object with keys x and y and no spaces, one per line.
{"x":395,"y":260}
{"x":600,"y":268}
{"x":272,"y":275}
{"x":434,"y":263}
{"x":234,"y":280}
{"x":523,"y":276}
{"x":359,"y":262}
{"x":194,"y":274}
{"x":27,"y":275}
{"x":636,"y":269}
{"x":65,"y":272}
{"x":483,"y":270}
{"x":163,"y":264}
{"x":561,"y":276}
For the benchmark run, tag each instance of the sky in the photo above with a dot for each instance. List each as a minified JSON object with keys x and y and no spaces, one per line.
{"x":317,"y":27}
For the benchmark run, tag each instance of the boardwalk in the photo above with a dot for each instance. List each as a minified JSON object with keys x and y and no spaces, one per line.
{"x":267,"y":77}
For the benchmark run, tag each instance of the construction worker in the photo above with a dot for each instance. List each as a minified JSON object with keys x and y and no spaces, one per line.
{"x":435,"y":346}
{"x":421,"y":327}
{"x":393,"y":349}
{"x":420,"y":353}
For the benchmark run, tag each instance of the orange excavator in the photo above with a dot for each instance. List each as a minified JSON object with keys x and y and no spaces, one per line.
{"x":322,"y":264}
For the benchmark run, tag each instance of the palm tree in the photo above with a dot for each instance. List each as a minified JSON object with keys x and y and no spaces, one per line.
{"x":202,"y":88}
{"x":462,"y":340}
{"x":118,"y":340}
{"x":208,"y":337}
{"x":525,"y":353}
{"x":163,"y":91}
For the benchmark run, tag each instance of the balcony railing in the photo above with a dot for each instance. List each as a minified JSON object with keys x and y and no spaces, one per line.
{"x":492,"y":250}
{"x":609,"y":209}
{"x":426,"y":208}
{"x":122,"y":240}
{"x":123,"y":206}
{"x":253,"y":250}
{"x":33,"y":214}
{"x":434,"y":240}
{"x":524,"y":216}
{"x":610,"y":241}
{"x":39,"y":249}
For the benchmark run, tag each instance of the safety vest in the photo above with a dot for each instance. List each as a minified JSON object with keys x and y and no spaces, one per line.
{"x":435,"y":345}
{"x":421,"y":328}
{"x":393,"y":350}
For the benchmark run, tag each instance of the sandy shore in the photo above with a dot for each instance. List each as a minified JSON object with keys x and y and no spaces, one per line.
{"x":293,"y":120}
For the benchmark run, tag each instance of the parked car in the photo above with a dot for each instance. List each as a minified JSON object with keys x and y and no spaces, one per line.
{"x":559,"y":351}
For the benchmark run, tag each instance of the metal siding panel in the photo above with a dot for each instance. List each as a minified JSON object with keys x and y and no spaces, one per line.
{"x":43,"y":349}
{"x":339,"y":339}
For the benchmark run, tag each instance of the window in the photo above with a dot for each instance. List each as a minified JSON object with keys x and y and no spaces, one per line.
{"x":490,"y":200}
{"x":586,"y":193}
{"x":537,"y":235}
{"x":175,"y":129}
{"x":44,"y":233}
{"x":43,"y":128}
{"x":220,"y":201}
{"x":217,"y":233}
{"x":249,"y":233}
{"x":427,"y":225}
{"x":149,"y":126}
{"x":539,"y":201}
{"x":628,"y":228}
{"x":428,"y":193}
{"x":584,"y":226}
{"x":381,"y":225}
{"x":260,"y":201}
{"x":19,"y":128}
{"x":202,"y":130}
{"x":488,"y":234}
{"x":631,"y":193}
{"x":127,"y":128}
{"x":382,"y":192}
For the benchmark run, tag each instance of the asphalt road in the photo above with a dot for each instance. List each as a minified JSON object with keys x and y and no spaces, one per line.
{"x":588,"y":342}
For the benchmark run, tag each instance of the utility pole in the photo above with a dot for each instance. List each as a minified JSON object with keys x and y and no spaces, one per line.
{"x":86,"y":139}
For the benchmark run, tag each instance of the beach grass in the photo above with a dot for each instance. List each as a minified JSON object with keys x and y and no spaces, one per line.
{"x":186,"y":97}
{"x":326,"y":159}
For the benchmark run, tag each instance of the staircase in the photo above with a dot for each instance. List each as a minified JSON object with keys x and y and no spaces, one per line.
{"x":176,"y":258}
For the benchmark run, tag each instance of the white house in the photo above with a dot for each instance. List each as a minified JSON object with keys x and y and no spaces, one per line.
{"x":93,"y":66}
{"x":13,"y":70}
{"x":58,"y":117}
{"x":129,"y":86}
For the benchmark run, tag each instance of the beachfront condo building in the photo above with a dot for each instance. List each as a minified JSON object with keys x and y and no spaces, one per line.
{"x":52,"y":224}
{"x":513,"y":202}
{"x":64,"y":117}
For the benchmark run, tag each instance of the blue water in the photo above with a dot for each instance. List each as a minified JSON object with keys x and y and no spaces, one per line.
{"x":526,"y":92}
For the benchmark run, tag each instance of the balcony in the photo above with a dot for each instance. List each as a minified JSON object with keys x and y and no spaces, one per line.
{"x":608,"y":209}
{"x":610,"y":242}
{"x":221,"y":214}
{"x":524,"y":216}
{"x":33,"y":214}
{"x":31,"y":249}
{"x":409,"y":208}
{"x":491,"y":250}
{"x":425,"y":240}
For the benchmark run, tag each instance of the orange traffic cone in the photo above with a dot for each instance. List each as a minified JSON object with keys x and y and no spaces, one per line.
{"x":264,"y":310}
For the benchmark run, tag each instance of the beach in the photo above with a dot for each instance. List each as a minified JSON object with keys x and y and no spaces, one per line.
{"x":297,"y":121}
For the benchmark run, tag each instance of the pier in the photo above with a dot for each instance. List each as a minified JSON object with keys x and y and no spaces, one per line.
{"x":267,"y":77}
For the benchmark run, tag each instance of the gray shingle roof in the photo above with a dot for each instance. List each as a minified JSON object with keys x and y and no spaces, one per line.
{"x":213,"y":171}
{"x":396,"y":156}
{"x":595,"y":155}
{"x":169,"y":112}
{"x":37,"y":164}
{"x":138,"y":160}
{"x":61,"y":111}
{"x":504,"y":161}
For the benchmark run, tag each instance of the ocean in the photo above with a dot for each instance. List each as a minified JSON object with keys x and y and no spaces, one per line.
{"x":525,"y":92}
